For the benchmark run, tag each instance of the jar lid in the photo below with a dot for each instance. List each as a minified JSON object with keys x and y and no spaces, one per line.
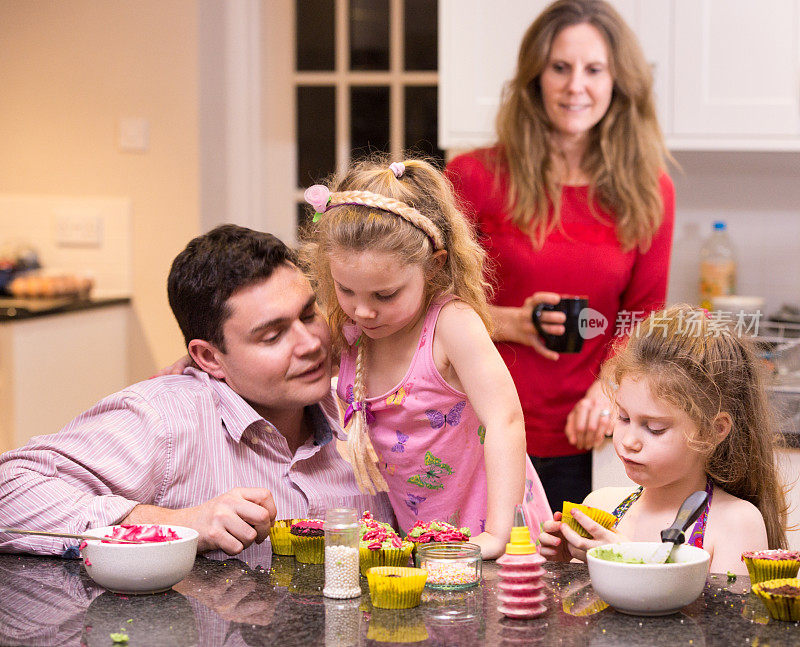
{"x":341,"y":517}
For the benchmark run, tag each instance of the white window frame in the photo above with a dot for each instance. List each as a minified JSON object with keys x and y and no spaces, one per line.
{"x":258,"y":82}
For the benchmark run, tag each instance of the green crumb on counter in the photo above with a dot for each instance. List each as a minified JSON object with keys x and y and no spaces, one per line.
{"x":610,"y":555}
{"x":119,"y":638}
{"x":731,"y":576}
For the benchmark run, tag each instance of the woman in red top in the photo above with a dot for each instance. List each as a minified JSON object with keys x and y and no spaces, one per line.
{"x":573,"y":199}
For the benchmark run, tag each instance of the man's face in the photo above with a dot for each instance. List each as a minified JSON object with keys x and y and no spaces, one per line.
{"x":277,"y":344}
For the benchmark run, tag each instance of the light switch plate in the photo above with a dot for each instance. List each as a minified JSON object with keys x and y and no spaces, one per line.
{"x":134,"y":135}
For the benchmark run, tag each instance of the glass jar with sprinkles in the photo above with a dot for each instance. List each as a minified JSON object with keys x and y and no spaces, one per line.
{"x":341,"y":554}
{"x":450,"y":566}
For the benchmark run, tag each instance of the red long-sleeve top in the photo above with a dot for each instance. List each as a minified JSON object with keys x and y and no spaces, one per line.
{"x":584,"y":257}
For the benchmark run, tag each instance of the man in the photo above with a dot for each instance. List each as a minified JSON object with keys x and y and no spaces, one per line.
{"x":222,"y":449}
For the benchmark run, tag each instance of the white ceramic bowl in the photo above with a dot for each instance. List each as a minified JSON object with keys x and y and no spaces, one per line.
{"x":649,"y":589}
{"x":140,"y":568}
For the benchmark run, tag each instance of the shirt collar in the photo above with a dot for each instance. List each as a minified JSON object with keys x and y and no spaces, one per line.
{"x":237,"y":415}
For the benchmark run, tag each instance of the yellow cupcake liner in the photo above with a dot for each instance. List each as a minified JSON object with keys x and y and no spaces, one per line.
{"x":780,"y":607}
{"x":281,"y":538}
{"x":761,"y":570}
{"x":605,"y":519}
{"x":582,"y":603}
{"x":384,"y":557}
{"x":396,"y":587}
{"x":309,"y":550}
{"x":387,"y":625}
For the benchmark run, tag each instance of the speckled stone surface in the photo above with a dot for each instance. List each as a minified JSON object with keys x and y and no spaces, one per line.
{"x":50,"y":601}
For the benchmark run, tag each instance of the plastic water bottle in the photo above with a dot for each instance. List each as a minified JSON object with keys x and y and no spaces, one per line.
{"x":717,"y":265}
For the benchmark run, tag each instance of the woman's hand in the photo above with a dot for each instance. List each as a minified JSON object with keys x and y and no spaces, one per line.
{"x":516,"y":324}
{"x":577,"y":545}
{"x":177,"y":367}
{"x":591,"y":419}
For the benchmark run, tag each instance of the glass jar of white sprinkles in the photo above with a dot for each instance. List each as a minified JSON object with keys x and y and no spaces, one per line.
{"x":341,"y":554}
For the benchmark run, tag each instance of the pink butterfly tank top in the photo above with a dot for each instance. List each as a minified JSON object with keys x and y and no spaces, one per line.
{"x":430,"y":444}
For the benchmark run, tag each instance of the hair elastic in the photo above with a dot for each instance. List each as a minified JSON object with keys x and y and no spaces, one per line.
{"x":398,"y":168}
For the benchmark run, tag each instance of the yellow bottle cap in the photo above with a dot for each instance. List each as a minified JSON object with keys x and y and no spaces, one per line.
{"x":520,"y":543}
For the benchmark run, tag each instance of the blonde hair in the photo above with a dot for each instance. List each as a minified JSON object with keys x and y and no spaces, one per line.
{"x":705,"y":369}
{"x":410,"y":216}
{"x":626,"y":152}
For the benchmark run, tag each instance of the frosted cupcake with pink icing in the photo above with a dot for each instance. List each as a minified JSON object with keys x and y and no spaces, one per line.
{"x":763,"y":565}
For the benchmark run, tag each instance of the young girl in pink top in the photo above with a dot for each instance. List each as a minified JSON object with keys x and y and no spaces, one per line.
{"x":433,"y":416}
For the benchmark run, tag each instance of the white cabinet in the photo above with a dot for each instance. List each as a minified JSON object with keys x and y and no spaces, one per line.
{"x":736,"y":74}
{"x":56,"y":366}
{"x":726,"y":72}
{"x":478,"y":43}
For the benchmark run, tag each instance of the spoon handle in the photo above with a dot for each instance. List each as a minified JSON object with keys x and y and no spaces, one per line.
{"x":45,"y":533}
{"x":687,"y":514}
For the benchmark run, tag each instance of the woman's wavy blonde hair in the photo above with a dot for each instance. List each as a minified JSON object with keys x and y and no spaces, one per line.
{"x":704,"y":369}
{"x":626,"y":153}
{"x":381,"y":222}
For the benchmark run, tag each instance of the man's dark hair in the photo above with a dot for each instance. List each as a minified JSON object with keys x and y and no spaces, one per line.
{"x":214,"y":266}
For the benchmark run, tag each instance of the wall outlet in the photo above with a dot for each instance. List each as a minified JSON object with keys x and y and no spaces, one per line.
{"x":78,"y":228}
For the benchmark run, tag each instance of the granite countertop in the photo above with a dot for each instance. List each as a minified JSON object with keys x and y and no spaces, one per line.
{"x":51,"y":601}
{"x":16,"y":309}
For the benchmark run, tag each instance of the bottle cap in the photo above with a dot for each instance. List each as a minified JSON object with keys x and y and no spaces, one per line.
{"x":520,"y":543}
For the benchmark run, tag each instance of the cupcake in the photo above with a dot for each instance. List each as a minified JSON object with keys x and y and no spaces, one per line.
{"x":436,"y":531}
{"x":396,"y":587}
{"x":781,"y":597}
{"x":771,"y":564}
{"x":308,"y":541}
{"x":380,"y":545}
{"x":605,"y":519}
{"x":280,"y":537}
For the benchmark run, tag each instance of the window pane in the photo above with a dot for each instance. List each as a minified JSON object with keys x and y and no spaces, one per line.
{"x":369,"y":34}
{"x":314,"y":30}
{"x":369,"y":120}
{"x":316,"y":133}
{"x":422,"y":121}
{"x":421,"y":40}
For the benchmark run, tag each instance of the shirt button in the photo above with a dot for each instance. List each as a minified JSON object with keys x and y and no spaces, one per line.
{"x":254,"y":440}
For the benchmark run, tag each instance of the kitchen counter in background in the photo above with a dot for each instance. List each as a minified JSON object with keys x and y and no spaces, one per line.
{"x":12,"y":309}
{"x":51,"y":601}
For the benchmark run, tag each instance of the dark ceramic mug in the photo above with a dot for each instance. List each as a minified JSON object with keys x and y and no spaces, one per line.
{"x":571,"y":341}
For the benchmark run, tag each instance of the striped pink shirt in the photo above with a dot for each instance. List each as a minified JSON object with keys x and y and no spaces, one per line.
{"x":174,"y":442}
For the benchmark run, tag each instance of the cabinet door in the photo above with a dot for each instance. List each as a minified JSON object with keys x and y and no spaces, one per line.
{"x":478,"y":45}
{"x":737,"y":69}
